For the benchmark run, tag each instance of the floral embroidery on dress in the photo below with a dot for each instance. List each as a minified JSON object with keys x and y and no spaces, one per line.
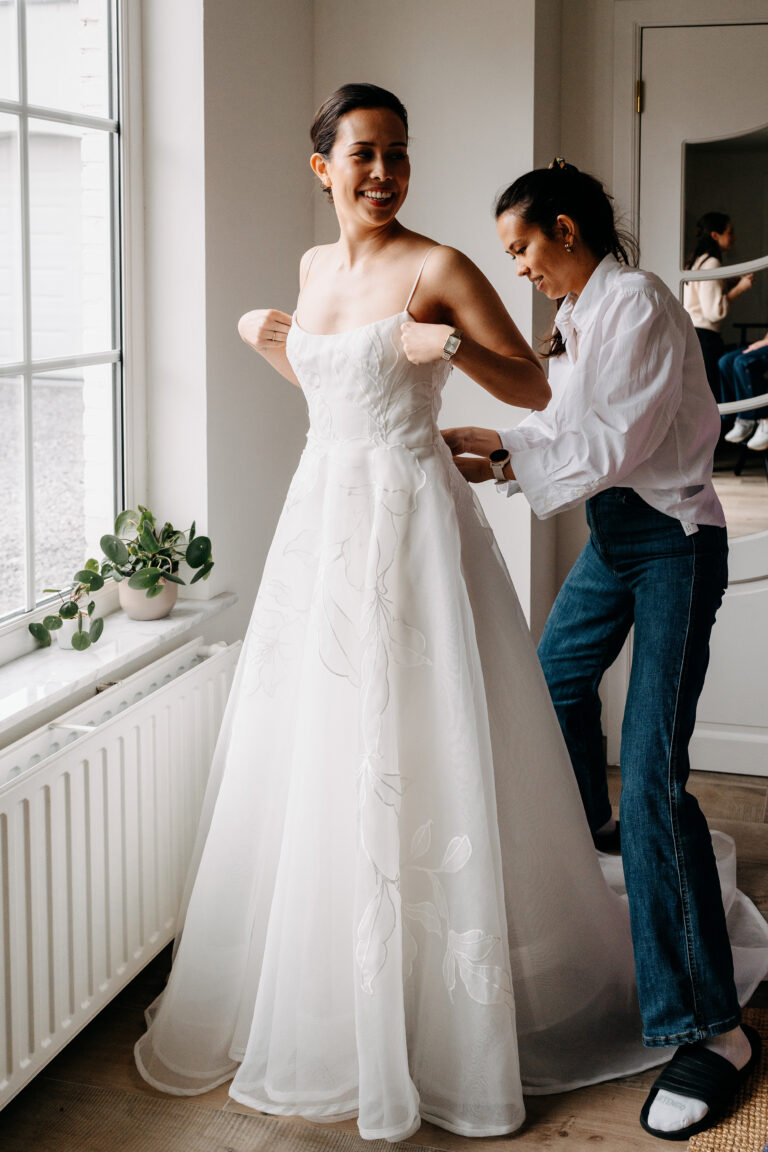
{"x":368,"y":445}
{"x":464,"y":951}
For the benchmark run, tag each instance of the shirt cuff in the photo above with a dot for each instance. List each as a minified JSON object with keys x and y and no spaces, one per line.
{"x":507,"y":487}
{"x":546,"y":496}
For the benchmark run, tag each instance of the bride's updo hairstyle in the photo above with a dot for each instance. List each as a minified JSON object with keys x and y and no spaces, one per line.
{"x":542,"y":195}
{"x":346,"y":99}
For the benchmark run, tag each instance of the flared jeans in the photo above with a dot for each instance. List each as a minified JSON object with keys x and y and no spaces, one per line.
{"x":639,"y":567}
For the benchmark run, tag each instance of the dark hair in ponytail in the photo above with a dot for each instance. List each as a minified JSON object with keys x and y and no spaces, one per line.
{"x":706,"y":245}
{"x":542,"y":195}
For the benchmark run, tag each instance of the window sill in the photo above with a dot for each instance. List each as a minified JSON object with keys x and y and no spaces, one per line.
{"x":37,"y":687}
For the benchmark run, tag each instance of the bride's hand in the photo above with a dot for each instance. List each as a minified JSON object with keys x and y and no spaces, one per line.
{"x":264,"y":329}
{"x":477,"y":441}
{"x":424,"y":343}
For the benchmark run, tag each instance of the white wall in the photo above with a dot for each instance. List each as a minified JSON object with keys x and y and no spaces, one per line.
{"x":174,"y":170}
{"x":258,"y":208}
{"x":227,"y":104}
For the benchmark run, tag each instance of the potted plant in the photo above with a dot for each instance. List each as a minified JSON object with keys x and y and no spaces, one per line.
{"x":74,"y":623}
{"x":144,"y":560}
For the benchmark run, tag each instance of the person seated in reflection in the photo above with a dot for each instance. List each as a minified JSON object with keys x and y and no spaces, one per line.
{"x":707,"y":301}
{"x":744,"y":375}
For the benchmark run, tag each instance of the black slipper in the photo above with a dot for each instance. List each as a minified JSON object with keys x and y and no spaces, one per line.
{"x":703,"y":1075}
{"x":608,"y":841}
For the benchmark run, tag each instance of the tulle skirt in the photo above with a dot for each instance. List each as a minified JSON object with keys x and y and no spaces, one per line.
{"x":397,"y":910}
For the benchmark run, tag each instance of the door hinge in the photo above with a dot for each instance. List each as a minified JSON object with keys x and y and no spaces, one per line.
{"x":640,"y":96}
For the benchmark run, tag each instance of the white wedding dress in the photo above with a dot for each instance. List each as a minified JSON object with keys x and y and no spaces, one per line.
{"x":398,"y":911}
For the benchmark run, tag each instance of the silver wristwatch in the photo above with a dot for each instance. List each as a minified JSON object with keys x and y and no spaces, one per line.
{"x":451,"y":346}
{"x":499,"y":459}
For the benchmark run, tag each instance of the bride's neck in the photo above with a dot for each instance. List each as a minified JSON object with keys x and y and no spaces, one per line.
{"x":357,"y":244}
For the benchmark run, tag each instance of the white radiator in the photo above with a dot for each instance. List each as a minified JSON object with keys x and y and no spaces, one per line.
{"x":98,"y":813}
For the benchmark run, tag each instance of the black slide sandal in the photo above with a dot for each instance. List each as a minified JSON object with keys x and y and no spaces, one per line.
{"x":703,"y":1075}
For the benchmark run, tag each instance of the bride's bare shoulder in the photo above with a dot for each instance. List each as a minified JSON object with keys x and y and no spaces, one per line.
{"x":446,"y":262}
{"x":306,"y":260}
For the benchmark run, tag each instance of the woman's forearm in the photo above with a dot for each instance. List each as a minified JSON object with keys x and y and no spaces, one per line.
{"x":278,"y":359}
{"x":514,"y":379}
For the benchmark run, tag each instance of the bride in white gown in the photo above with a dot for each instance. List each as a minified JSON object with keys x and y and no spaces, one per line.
{"x":398,"y":911}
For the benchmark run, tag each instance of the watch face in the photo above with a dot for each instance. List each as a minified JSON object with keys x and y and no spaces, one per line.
{"x":499,"y":456}
{"x":452,"y":344}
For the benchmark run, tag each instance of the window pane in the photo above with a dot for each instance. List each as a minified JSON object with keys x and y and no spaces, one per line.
{"x":71,"y":247}
{"x":72,"y":421}
{"x":12,"y":520}
{"x":10,"y":242}
{"x":68,"y":55}
{"x":9,"y":71}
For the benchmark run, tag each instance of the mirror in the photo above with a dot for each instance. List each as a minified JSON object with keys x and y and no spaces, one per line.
{"x":730,"y":176}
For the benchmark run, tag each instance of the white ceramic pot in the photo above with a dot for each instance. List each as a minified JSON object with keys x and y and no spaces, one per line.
{"x":136,"y":604}
{"x":68,"y":628}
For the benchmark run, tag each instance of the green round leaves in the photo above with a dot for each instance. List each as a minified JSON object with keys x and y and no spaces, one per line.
{"x":114,"y":549}
{"x":127,"y":522}
{"x":198,"y":552}
{"x":202,"y":573}
{"x":145,"y":578}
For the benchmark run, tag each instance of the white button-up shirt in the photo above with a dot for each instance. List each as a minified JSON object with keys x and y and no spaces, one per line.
{"x":630,"y":407}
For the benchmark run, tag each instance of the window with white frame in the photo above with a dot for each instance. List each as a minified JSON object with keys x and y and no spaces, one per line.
{"x":61,"y":459}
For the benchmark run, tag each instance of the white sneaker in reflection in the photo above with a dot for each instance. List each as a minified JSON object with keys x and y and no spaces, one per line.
{"x":742,"y":430}
{"x":760,"y":439}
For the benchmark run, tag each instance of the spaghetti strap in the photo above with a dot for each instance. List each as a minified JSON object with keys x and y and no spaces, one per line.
{"x":418,"y":275}
{"x":315,"y":251}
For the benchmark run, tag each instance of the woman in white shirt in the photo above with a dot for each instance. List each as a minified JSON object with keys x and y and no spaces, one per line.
{"x":707,"y":301}
{"x":631,"y":430}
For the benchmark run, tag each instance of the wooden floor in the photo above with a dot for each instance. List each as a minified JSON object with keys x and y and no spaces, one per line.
{"x":603,"y":1117}
{"x":745,"y":497}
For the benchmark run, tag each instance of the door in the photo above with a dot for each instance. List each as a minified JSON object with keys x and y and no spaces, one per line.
{"x":703,"y":141}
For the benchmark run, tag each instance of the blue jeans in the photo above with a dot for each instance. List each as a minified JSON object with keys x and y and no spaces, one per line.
{"x":742,"y":376}
{"x":712,"y":348}
{"x":640,"y":568}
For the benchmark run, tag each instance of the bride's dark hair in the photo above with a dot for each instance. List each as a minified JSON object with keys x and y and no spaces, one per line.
{"x":347,"y":99}
{"x":542,"y":195}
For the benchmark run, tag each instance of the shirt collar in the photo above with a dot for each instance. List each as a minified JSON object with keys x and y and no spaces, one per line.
{"x":577,"y":313}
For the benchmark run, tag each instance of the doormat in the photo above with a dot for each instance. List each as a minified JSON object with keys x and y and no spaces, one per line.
{"x":745,"y":1129}
{"x":61,"y":1117}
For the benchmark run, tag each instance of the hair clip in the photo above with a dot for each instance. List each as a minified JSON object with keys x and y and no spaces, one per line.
{"x":563,"y":165}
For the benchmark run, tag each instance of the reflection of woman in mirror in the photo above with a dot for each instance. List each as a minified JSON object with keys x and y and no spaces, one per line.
{"x":707,"y":301}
